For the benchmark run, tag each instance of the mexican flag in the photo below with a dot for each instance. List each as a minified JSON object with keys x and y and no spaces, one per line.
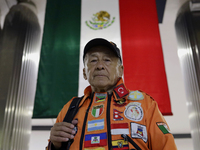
{"x":69,"y":25}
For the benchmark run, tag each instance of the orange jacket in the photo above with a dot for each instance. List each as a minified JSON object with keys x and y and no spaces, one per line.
{"x":116,"y":121}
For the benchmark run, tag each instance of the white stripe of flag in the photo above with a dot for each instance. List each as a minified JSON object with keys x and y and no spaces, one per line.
{"x":96,"y":125}
{"x":119,"y":128}
{"x":112,"y":33}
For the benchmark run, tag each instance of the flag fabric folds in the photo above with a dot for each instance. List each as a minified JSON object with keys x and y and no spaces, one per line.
{"x":132,"y":25}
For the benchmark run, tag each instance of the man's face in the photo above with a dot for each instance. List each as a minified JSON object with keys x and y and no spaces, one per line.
{"x":102,"y":68}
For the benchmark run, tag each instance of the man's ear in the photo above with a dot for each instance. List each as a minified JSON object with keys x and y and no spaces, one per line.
{"x":121,"y":70}
{"x":84,"y":74}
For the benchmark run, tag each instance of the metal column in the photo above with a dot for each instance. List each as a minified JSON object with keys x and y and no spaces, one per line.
{"x":19,"y":56}
{"x":188,"y":35}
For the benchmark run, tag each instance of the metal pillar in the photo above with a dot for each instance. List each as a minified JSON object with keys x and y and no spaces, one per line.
{"x":19,"y":58}
{"x":187,"y":27}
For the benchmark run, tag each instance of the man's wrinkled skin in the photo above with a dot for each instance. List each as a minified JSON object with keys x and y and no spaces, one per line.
{"x":102,"y":69}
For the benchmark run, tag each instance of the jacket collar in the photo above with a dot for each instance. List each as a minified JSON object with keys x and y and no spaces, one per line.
{"x":120,"y":90}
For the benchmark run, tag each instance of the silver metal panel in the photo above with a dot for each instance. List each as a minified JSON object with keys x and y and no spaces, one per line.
{"x":19,"y":57}
{"x":187,"y":30}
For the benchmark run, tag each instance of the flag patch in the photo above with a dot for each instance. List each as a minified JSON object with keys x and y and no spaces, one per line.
{"x":92,"y":140}
{"x":119,"y":128}
{"x":134,"y":111}
{"x":135,"y":95}
{"x":100,"y":97}
{"x":97,"y":110}
{"x":116,"y":115}
{"x":95,"y":125}
{"x":121,"y":91}
{"x":119,"y":145}
{"x":138,"y":131}
{"x":99,"y":148}
{"x":163,"y":127}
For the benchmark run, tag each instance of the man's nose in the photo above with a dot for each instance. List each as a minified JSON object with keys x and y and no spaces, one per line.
{"x":100,"y":65}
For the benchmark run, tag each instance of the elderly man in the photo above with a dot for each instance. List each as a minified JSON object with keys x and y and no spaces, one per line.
{"x":110,"y":116}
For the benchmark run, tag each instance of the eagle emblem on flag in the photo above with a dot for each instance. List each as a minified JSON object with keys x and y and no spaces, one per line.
{"x":100,"y":20}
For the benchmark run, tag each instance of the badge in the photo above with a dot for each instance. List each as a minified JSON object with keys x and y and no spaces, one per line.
{"x":95,"y":140}
{"x":95,"y":125}
{"x":120,"y":144}
{"x":134,"y":111}
{"x":120,"y":102}
{"x":100,"y":97}
{"x":97,"y":110}
{"x":120,"y":91}
{"x":135,"y":95}
{"x":99,"y":148}
{"x":138,"y":131}
{"x":119,"y":128}
{"x":116,"y":115}
{"x":163,"y":127}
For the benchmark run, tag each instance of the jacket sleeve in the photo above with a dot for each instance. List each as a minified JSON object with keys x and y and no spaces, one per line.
{"x":60,"y":118}
{"x":158,"y":130}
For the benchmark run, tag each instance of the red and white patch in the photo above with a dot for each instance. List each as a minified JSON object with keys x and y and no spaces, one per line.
{"x":116,"y":115}
{"x":121,"y":91}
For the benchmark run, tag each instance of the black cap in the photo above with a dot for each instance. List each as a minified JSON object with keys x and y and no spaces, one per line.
{"x":103,"y":42}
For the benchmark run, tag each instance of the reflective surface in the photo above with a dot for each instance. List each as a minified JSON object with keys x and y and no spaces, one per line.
{"x":188,"y":35}
{"x":19,"y":56}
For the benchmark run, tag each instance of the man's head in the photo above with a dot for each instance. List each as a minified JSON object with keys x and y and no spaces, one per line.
{"x":103,"y":65}
{"x":102,"y":42}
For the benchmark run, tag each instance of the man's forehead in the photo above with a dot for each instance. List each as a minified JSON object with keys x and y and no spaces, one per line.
{"x":97,"y":53}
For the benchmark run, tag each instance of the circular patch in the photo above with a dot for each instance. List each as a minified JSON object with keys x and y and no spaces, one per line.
{"x":134,"y":111}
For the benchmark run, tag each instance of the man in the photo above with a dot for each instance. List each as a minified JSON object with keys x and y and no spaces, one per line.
{"x":110,"y":116}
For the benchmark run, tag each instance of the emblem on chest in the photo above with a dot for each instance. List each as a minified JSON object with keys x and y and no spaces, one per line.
{"x":97,"y":110}
{"x":134,"y":111}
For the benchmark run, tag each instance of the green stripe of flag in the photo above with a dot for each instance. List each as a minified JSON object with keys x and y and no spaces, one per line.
{"x":163,"y":129}
{"x":57,"y":81}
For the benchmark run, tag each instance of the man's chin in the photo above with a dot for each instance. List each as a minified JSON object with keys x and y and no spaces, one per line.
{"x":104,"y":87}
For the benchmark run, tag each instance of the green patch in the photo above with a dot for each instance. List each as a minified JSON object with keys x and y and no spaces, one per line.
{"x":163,"y":127}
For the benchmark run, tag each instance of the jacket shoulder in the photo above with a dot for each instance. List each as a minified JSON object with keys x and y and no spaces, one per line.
{"x":63,"y":111}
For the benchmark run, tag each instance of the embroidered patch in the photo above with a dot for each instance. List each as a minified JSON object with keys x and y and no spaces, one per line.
{"x":139,"y":131}
{"x":121,"y":91}
{"x":116,"y":115}
{"x":95,"y":125}
{"x":163,"y":127}
{"x":100,"y":97}
{"x":119,"y":144}
{"x":97,"y":110}
{"x":120,"y":102}
{"x":119,"y":128}
{"x":95,"y":140}
{"x":134,"y":111}
{"x":135,"y":95}
{"x":99,"y":148}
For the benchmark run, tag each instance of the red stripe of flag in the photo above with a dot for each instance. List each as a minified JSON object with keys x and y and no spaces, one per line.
{"x":119,"y":125}
{"x":142,"y":51}
{"x":124,"y":147}
{"x":103,"y":142}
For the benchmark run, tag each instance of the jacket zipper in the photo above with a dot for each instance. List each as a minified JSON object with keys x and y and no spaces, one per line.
{"x":127,"y":138}
{"x":108,"y":122}
{"x":84,"y":123}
